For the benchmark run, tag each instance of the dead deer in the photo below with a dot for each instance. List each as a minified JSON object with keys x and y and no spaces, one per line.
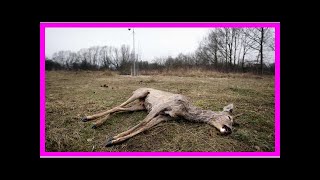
{"x":164,"y":106}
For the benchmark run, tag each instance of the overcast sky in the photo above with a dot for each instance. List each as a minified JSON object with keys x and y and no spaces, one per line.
{"x":149,"y":42}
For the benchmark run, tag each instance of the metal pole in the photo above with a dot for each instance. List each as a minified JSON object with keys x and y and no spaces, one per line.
{"x":134,"y":56}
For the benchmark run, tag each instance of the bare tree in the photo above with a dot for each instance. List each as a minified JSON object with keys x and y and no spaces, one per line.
{"x":236,"y":39}
{"x":83,"y":55}
{"x":212,"y":47}
{"x":115,"y":57}
{"x":124,"y":63}
{"x":68,"y":59}
{"x":105,"y":60}
{"x":93,"y":53}
{"x":58,"y":57}
{"x":203,"y":53}
{"x":246,"y":44}
{"x":230,"y":44}
{"x":73,"y":59}
{"x":259,"y":37}
{"x":125,"y":53}
{"x":223,"y":43}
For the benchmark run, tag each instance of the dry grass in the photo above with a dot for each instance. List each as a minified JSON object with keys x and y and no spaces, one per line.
{"x":71,"y":95}
{"x":181,"y":72}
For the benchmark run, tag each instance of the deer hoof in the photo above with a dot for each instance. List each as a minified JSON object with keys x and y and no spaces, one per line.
{"x":94,"y":127}
{"x":84,"y":119}
{"x":109,"y":142}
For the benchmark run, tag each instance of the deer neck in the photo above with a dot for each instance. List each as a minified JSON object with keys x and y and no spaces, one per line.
{"x":199,"y":115}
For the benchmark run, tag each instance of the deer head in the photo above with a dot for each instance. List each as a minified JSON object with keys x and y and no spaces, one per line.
{"x":224,"y":120}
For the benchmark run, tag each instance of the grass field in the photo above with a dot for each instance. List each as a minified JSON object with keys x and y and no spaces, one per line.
{"x":72,"y":95}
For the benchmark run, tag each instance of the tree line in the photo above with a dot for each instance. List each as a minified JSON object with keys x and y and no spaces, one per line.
{"x":222,"y":49}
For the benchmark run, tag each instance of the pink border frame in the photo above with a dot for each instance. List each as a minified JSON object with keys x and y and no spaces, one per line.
{"x":44,"y":25}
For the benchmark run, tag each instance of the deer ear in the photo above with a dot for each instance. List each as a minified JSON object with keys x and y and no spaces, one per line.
{"x":228,"y":108}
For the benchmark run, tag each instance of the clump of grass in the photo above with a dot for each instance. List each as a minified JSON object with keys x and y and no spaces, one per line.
{"x":243,"y":91}
{"x":152,"y":80}
{"x":109,"y":73}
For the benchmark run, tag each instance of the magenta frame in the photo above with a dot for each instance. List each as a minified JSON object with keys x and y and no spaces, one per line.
{"x":44,"y":25}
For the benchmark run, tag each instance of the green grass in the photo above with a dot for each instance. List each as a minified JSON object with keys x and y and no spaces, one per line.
{"x":72,"y":95}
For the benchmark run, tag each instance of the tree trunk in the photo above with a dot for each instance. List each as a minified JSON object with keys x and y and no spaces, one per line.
{"x":261,"y":51}
{"x":239,"y":53}
{"x":235,"y":51}
{"x":230,"y":49}
{"x":226,"y":50}
{"x":230,"y":61}
{"x":216,"y":57}
{"x":242,"y":63}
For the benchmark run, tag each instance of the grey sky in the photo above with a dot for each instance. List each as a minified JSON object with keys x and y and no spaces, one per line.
{"x":149,"y":42}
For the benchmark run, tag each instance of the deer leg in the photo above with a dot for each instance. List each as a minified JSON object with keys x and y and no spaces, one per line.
{"x":130,"y":130}
{"x":136,"y":107}
{"x":149,"y":117}
{"x":118,"y":139}
{"x":95,"y":116}
{"x":100,"y":122}
{"x":136,"y":95}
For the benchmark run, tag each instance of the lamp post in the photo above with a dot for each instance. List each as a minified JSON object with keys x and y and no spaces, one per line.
{"x":134,"y":56}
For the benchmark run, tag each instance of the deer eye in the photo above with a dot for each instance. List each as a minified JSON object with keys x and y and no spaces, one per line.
{"x":229,"y":117}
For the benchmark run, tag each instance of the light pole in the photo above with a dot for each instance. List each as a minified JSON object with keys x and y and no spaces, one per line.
{"x":134,"y":56}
